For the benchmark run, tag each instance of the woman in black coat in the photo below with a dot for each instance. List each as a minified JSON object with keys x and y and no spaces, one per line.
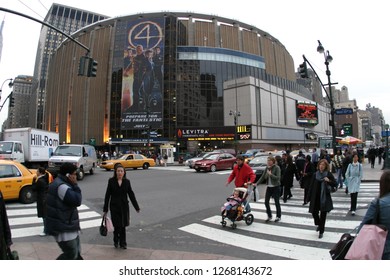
{"x":40,"y":187}
{"x":322,"y":184}
{"x":117,"y":194}
{"x":306,"y":176}
{"x":290,"y":171}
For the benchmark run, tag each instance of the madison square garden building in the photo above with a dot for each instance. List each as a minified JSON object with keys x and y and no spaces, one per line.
{"x":189,"y":80}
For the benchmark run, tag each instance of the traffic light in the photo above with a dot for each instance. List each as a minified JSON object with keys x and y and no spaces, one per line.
{"x":83,"y":65}
{"x":11,"y":100}
{"x":303,"y":70}
{"x":92,"y":67}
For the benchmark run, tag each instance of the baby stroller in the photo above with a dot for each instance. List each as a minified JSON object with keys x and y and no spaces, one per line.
{"x":238,"y":212}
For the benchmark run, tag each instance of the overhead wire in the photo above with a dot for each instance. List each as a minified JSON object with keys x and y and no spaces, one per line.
{"x":32,"y":9}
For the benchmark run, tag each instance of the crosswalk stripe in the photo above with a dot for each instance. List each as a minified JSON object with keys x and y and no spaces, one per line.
{"x":35,"y":220}
{"x":297,"y":210}
{"x":296,"y":226}
{"x":26,"y":215}
{"x":272,"y":229}
{"x":29,"y":209}
{"x":283,"y":249}
{"x":36,"y":230}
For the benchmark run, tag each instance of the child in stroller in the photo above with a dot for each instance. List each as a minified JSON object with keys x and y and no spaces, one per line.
{"x":234,"y":208}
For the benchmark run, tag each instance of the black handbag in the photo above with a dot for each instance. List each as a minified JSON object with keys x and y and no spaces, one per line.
{"x":103,"y":228}
{"x":340,"y":249}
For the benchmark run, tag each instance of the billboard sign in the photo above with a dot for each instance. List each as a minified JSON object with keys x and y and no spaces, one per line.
{"x":307,"y":113}
{"x":214,"y":133}
{"x":142,"y":75}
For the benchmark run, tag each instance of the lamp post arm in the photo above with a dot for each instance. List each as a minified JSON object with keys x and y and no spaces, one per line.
{"x":2,"y":105}
{"x":10,"y":85}
{"x":316,"y":75}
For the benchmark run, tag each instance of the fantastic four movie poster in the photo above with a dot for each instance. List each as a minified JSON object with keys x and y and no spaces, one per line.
{"x":142,"y":81}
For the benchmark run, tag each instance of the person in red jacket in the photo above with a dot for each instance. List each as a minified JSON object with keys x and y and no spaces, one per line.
{"x":242,"y":175}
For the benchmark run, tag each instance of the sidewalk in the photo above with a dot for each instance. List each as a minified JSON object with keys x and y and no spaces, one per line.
{"x":50,"y":251}
{"x":371,"y":174}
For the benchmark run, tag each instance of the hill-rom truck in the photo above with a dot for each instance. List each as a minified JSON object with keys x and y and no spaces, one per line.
{"x":30,"y":146}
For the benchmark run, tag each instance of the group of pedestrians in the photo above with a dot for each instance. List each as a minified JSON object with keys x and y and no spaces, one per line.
{"x":315,"y":176}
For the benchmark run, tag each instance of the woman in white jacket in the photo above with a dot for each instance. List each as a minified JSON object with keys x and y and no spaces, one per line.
{"x":354,"y":176}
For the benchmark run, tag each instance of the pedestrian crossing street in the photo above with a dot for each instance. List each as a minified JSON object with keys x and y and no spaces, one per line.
{"x":24,"y":222}
{"x":295,"y":236}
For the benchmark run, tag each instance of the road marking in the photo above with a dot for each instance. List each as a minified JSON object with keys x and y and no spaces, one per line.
{"x":282,"y":249}
{"x":296,"y":226}
{"x":26,"y":215}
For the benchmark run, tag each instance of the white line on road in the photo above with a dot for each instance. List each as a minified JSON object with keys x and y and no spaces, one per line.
{"x":282,"y":249}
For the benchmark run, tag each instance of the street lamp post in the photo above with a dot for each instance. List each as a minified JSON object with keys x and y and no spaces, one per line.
{"x":235,"y":115}
{"x":328,"y":59}
{"x":10,"y":84}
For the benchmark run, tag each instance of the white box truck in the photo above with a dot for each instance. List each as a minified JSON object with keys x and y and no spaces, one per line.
{"x":30,"y":146}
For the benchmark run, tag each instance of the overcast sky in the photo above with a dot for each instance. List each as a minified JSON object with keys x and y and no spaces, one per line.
{"x":355,"y":33}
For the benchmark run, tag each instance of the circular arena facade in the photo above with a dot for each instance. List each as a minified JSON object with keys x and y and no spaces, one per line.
{"x":175,"y":78}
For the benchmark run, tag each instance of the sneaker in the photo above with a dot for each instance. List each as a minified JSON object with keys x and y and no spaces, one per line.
{"x":42,"y":234}
{"x":277,"y":219}
{"x":268,"y":219}
{"x":353,"y":213}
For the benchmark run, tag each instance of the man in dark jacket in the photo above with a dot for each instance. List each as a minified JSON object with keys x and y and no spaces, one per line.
{"x":62,"y":221}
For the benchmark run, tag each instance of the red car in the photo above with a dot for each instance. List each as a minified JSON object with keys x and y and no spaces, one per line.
{"x":215,"y":162}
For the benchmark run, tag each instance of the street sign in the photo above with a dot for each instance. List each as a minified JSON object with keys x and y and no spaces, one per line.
{"x":344,"y":111}
{"x":385,"y":133}
{"x":347,"y":129}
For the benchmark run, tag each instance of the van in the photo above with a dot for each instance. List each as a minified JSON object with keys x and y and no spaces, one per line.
{"x":83,"y":156}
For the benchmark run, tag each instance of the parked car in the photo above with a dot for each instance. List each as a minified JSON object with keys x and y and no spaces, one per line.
{"x":258,"y":164}
{"x":191,"y":161}
{"x":16,"y":181}
{"x":129,"y":161}
{"x":215,"y":162}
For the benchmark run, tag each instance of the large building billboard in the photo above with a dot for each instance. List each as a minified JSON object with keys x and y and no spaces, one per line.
{"x":307,"y":113}
{"x":142,"y":80}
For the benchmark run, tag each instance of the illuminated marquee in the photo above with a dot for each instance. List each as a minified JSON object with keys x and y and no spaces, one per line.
{"x":214,"y":133}
{"x":307,"y":113}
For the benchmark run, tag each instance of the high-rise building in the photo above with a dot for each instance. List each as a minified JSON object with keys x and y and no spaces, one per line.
{"x":18,"y":111}
{"x":68,"y":20}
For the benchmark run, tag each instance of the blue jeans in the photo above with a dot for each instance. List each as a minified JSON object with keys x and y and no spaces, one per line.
{"x":339,"y":177}
{"x":71,"y":249}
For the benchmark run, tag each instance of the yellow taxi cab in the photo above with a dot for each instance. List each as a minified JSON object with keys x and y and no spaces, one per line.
{"x":129,"y":161}
{"x":16,"y":181}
